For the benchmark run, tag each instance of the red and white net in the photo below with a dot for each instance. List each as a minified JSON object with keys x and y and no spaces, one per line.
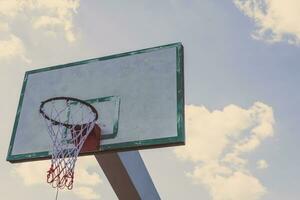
{"x":69,"y":122}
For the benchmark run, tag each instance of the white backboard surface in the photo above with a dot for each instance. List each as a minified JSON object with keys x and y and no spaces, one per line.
{"x":139,"y":97}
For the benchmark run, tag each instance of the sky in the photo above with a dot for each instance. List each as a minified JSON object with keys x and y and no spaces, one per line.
{"x":241,"y":77}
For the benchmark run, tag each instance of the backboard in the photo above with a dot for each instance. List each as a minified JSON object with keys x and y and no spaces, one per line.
{"x":139,"y":96}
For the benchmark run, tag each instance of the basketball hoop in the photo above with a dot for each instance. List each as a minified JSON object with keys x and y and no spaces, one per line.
{"x":69,"y":122}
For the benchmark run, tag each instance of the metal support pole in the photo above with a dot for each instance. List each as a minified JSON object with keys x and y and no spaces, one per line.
{"x":128,"y":175}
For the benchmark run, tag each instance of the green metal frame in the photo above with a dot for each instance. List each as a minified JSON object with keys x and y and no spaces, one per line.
{"x":143,"y":144}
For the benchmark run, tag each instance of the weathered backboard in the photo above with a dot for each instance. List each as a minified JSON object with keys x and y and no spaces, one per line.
{"x":139,"y":97}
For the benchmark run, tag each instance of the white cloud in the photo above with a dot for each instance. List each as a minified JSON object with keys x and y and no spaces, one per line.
{"x":86,"y":193}
{"x":83,"y":175}
{"x":206,"y":128}
{"x":221,"y":128}
{"x":12,"y":47}
{"x":224,"y":185}
{"x":45,"y":21}
{"x":51,"y":17}
{"x":10,"y":8}
{"x":4,"y":27}
{"x":276,"y":20}
{"x":217,"y":140}
{"x":60,"y":14}
{"x":262,"y":164}
{"x":34,"y":173}
{"x":233,"y":159}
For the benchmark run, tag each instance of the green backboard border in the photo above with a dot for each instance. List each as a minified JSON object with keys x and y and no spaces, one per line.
{"x":127,"y":146}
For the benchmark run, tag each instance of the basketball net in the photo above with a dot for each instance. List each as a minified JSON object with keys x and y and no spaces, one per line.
{"x":69,"y":122}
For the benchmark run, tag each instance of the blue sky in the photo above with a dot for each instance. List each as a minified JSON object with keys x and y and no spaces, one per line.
{"x":241,"y":72}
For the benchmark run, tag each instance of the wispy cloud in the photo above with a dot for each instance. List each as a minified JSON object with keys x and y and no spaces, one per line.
{"x":59,"y":14}
{"x":86,"y":193}
{"x":11,"y":48}
{"x":224,"y":183}
{"x":34,"y":173}
{"x":217,"y":142}
{"x":31,"y":173}
{"x":262,"y":164}
{"x":276,"y":20}
{"x":50,"y":17}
